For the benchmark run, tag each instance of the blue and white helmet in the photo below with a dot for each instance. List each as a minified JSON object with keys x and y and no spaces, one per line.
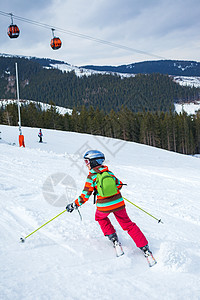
{"x":95,"y":157}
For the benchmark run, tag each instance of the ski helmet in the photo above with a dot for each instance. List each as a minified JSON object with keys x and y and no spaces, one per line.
{"x":95,"y":157}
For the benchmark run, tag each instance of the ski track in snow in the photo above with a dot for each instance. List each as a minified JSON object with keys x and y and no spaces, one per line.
{"x":70,"y":259}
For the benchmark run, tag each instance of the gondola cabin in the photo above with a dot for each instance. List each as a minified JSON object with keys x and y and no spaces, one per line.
{"x":13,"y":31}
{"x":55,"y":43}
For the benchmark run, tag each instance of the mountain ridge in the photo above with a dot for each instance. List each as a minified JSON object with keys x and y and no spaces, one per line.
{"x":169,"y":67}
{"x":47,"y":80}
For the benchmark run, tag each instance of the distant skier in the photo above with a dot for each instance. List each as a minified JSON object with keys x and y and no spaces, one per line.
{"x":108,"y":204}
{"x":40,"y":135}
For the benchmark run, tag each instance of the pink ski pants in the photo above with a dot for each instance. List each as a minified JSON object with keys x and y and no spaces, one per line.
{"x":126,"y":224}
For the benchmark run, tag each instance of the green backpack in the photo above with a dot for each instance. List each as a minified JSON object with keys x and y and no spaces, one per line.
{"x":106,"y":185}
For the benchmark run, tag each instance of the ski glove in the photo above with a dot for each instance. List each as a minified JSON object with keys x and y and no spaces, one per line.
{"x":71,"y":206}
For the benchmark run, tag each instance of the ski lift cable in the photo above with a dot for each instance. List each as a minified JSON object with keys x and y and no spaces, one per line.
{"x":80,"y":35}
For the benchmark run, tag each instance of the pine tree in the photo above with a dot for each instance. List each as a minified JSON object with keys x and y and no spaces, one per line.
{"x":124,"y":123}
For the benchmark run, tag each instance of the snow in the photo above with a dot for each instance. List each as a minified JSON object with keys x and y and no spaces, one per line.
{"x":65,"y":67}
{"x":183,"y":68}
{"x":69,"y":68}
{"x":190,"y":108}
{"x":70,"y":259}
{"x":44,"y":106}
{"x":192,"y":81}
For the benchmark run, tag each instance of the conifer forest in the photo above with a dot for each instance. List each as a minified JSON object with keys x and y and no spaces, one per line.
{"x":167,"y":130}
{"x":139,"y":108}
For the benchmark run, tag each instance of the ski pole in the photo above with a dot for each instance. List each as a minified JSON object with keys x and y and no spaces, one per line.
{"x":23,"y":239}
{"x":79,"y":214}
{"x":159,"y":220}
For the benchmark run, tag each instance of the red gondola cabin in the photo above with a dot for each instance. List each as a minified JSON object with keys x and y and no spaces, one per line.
{"x":13,"y":31}
{"x":55,"y":43}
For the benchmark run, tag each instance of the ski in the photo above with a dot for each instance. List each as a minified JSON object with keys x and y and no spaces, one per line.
{"x":150,"y":259}
{"x":116,"y":244}
{"x":118,"y":248}
{"x":149,"y":256}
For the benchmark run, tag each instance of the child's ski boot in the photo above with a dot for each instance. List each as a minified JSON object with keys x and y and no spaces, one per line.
{"x":116,"y":244}
{"x":149,"y":256}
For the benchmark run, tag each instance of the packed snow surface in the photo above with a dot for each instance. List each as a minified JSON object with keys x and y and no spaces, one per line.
{"x":71,"y":259}
{"x":190,"y":108}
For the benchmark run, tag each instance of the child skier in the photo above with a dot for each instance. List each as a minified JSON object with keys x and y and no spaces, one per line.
{"x":40,"y":135}
{"x":106,"y":205}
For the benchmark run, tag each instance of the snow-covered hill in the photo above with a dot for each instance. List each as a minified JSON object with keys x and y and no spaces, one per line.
{"x":187,"y":81}
{"x":125,"y":70}
{"x":44,"y":106}
{"x":79,"y":71}
{"x":192,"y":81}
{"x":171,"y":67}
{"x":190,"y":108}
{"x":70,"y":259}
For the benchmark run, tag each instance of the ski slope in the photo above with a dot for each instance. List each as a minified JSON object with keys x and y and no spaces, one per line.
{"x":71,"y":259}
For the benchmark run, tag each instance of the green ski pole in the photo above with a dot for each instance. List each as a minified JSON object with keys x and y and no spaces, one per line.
{"x":159,"y":220}
{"x":23,"y":239}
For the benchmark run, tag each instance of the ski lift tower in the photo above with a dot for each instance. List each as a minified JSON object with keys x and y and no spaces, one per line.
{"x":21,"y":137}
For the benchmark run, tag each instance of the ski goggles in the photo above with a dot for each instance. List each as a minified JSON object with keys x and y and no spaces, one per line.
{"x":87,"y":161}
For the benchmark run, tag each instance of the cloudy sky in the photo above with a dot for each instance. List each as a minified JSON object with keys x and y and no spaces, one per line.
{"x":147,"y":29}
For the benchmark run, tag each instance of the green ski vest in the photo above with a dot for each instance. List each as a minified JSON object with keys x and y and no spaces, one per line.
{"x":106,"y":185}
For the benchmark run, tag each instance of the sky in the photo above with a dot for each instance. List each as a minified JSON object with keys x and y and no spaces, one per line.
{"x":145,"y":29}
